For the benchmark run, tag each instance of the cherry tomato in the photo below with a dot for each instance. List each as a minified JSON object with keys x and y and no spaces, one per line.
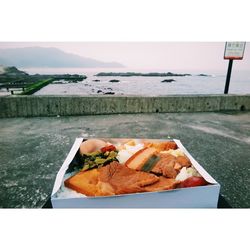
{"x":108,"y":148}
{"x":193,"y":181}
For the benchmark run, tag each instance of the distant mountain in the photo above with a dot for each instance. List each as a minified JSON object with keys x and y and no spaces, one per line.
{"x":49,"y":57}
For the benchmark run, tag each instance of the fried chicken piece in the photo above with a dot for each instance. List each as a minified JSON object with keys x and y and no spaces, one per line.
{"x":163,"y":184}
{"x":180,"y":161}
{"x":183,"y":161}
{"x":167,"y":156}
{"x":125,"y":180}
{"x":177,"y":166}
{"x":84,"y":182}
{"x":165,"y":166}
{"x":163,"y":146}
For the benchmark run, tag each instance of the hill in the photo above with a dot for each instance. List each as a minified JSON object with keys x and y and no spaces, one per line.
{"x":49,"y":57}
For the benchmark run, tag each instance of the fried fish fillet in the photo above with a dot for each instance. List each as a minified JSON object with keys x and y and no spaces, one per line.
{"x":110,"y":180}
{"x":125,"y":180}
{"x":162,"y":184}
{"x":84,"y":182}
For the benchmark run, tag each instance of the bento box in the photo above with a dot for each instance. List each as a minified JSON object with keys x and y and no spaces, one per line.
{"x":132,"y":173}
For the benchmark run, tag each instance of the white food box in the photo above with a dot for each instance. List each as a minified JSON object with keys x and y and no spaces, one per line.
{"x":193,"y":197}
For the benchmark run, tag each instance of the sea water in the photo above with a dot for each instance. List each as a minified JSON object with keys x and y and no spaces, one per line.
{"x":144,"y":86}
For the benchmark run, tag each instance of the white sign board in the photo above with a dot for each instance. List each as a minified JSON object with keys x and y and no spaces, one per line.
{"x":234,"y":50}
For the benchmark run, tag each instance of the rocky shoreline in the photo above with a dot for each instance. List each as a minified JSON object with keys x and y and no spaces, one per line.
{"x":13,"y":78}
{"x":12,"y":75}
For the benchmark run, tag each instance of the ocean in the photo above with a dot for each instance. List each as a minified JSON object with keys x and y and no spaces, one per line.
{"x":144,"y":86}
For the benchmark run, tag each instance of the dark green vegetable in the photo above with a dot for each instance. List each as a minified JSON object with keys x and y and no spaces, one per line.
{"x":148,"y":166}
{"x":98,"y":159}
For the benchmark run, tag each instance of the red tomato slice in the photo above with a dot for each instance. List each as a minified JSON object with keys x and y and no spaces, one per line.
{"x":108,"y":148}
{"x":193,"y":181}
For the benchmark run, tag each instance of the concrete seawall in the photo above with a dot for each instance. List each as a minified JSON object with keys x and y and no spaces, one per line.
{"x":34,"y":106}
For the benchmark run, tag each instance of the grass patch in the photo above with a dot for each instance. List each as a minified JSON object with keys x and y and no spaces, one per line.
{"x":36,"y":86}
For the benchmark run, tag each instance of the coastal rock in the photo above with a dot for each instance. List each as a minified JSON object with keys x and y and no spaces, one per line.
{"x":12,"y":74}
{"x":13,"y":71}
{"x":203,"y":75}
{"x":99,"y":91}
{"x":57,"y":82}
{"x":109,"y":93}
{"x":168,"y":80}
{"x":114,"y":80}
{"x":72,"y":81}
{"x":108,"y":89}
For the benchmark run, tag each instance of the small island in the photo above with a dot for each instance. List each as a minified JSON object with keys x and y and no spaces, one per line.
{"x":153,"y":74}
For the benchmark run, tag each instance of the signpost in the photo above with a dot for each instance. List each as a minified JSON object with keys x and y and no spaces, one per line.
{"x":233,"y":51}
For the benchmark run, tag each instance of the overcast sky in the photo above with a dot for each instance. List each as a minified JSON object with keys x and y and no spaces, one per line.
{"x":150,"y":55}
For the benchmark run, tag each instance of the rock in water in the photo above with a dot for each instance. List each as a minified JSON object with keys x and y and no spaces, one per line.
{"x":168,"y":80}
{"x":203,"y":75}
{"x":114,"y":80}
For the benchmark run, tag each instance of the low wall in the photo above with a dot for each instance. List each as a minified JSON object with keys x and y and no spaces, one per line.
{"x":31,"y":106}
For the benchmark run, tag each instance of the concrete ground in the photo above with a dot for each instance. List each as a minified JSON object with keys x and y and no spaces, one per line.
{"x":33,"y":149}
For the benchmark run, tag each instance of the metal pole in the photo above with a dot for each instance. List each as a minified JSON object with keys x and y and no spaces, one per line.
{"x":229,"y":70}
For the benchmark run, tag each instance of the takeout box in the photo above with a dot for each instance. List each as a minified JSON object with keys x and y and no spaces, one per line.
{"x":193,"y":197}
